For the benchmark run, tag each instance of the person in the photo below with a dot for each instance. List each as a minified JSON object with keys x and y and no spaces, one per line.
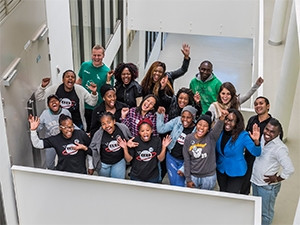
{"x":231,"y":164}
{"x":157,"y":69}
{"x":180,"y":127}
{"x":183,"y":98}
{"x":94,"y":71}
{"x":71,"y":145}
{"x":108,"y":155}
{"x":262,"y":118}
{"x":128,"y":90}
{"x":266,"y":178}
{"x":227,"y":98}
{"x":146,"y":109}
{"x":206,"y":84}
{"x":147,"y":154}
{"x":109,"y":104}
{"x":199,"y":153}
{"x":72,"y":96}
{"x":49,"y":124}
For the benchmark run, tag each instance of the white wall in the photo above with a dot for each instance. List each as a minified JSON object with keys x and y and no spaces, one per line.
{"x":85,"y":199}
{"x":235,"y":18}
{"x":60,"y":46}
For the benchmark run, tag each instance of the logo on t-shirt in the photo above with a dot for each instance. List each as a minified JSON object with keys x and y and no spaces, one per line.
{"x":67,"y":103}
{"x":181,"y":138}
{"x":113,"y":146}
{"x":197,"y":150}
{"x":69,"y":150}
{"x":146,"y":155}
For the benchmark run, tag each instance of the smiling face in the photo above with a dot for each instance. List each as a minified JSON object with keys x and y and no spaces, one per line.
{"x":126,"y":76}
{"x":225,"y":96}
{"x":183,"y":100}
{"x":108,"y":124}
{"x":157,"y":73}
{"x":145,"y":132}
{"x":97,"y":57}
{"x":230,"y":122}
{"x":186,"y":119}
{"x":205,"y":70}
{"x":202,"y":129}
{"x":110,"y":99}
{"x":67,"y":128}
{"x":270,"y":132}
{"x":261,"y":107}
{"x":69,"y":81}
{"x":148,"y":104}
{"x":54,"y":105}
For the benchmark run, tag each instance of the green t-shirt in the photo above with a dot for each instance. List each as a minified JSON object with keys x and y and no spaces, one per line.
{"x":89,"y":73}
{"x":208,"y":90}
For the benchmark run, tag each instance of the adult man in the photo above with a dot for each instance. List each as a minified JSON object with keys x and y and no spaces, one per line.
{"x":94,"y":71}
{"x":72,"y":96}
{"x":265,"y":179}
{"x":262,"y":117}
{"x":206,"y":84}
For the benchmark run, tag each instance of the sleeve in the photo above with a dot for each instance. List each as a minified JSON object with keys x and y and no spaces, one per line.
{"x":164,"y":127}
{"x":165,"y":99}
{"x":96,"y":140}
{"x":187,"y":160}
{"x":36,"y":142}
{"x":217,"y":129}
{"x":43,"y":92}
{"x":89,"y":98}
{"x":90,"y":162}
{"x":212,"y":109}
{"x":179,"y":72}
{"x":286,"y":163}
{"x":245,"y":97}
{"x":199,"y":109}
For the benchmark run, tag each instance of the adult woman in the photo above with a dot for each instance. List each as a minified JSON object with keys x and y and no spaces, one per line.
{"x":179,"y":127}
{"x":127,"y":88}
{"x":70,"y":145}
{"x":183,"y":98}
{"x":231,"y":164}
{"x":109,"y":104}
{"x":157,"y":69}
{"x":227,"y":98}
{"x":108,"y":156}
{"x":199,"y":153}
{"x":146,"y":109}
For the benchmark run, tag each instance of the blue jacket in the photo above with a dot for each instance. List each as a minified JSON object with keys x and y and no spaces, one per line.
{"x":232,"y":162}
{"x":174,"y":125}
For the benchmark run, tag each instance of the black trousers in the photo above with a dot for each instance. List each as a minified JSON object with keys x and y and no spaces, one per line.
{"x":88,"y":117}
{"x":245,"y":189}
{"x":229,"y":184}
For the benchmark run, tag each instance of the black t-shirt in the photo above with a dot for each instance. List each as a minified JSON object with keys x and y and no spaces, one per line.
{"x":70,"y":101}
{"x":177,"y":150}
{"x":110,"y":150}
{"x":68,"y":159}
{"x":145,"y":162}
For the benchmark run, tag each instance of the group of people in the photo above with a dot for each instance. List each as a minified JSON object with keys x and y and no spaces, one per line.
{"x":108,"y":121}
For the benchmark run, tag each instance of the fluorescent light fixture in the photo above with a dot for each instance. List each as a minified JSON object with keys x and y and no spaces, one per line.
{"x":11,"y":72}
{"x":40,"y":34}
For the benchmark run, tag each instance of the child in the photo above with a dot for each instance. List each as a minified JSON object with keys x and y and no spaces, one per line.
{"x":147,"y":154}
{"x":49,"y":123}
{"x":108,"y":156}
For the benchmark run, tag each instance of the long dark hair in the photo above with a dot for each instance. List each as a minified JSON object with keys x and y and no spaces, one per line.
{"x":139,"y":108}
{"x":239,"y":124}
{"x":147,"y":82}
{"x":234,"y":100}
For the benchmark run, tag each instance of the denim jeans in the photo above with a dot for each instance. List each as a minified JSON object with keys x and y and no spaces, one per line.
{"x":207,"y":183}
{"x":268,"y":194}
{"x":50,"y":155}
{"x":173,"y":165}
{"x":116,"y":170}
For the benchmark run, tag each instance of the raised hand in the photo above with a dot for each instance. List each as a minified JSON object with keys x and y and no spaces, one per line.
{"x":34,"y":122}
{"x":124,"y":112}
{"x":161,"y":110}
{"x":259,"y":81}
{"x":109,"y":76}
{"x":166,"y":140}
{"x":131,"y":143}
{"x":186,"y":50}
{"x":122,"y":142}
{"x":255,"y":135}
{"x":93,"y":88}
{"x":197,"y":97}
{"x":45,"y":81}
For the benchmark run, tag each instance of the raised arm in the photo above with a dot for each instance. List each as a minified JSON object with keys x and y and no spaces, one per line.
{"x":252,"y":90}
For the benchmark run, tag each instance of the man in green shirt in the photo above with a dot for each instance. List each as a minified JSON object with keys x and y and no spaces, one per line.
{"x":206,"y":84}
{"x":94,"y":71}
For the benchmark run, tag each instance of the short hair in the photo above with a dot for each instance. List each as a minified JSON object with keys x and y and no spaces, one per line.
{"x":109,"y":114}
{"x":187,"y":91}
{"x":208,"y":62}
{"x":274,"y":122}
{"x":63,"y":117}
{"x":263,"y":97}
{"x":67,"y":71}
{"x":98,"y":47}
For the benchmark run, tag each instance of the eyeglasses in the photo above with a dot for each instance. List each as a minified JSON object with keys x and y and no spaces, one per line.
{"x":65,"y":128}
{"x":230,"y":121}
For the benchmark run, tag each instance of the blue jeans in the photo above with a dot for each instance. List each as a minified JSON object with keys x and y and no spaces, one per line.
{"x":268,"y":194}
{"x":173,"y":165}
{"x":207,"y":183}
{"x":116,"y":170}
